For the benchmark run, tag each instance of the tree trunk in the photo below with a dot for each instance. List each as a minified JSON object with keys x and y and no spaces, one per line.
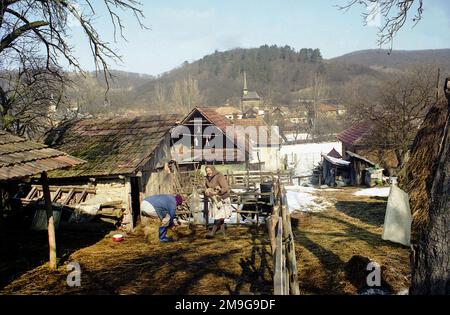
{"x":50,"y":221}
{"x":431,"y":273}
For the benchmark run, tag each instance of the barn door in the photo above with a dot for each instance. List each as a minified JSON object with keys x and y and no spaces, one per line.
{"x":135,"y":201}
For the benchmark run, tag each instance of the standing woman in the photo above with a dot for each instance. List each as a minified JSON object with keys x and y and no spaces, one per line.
{"x":218,"y":193}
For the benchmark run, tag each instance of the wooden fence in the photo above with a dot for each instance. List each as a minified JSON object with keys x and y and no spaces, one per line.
{"x":249,"y":179}
{"x":285,"y":276}
{"x":278,"y":221}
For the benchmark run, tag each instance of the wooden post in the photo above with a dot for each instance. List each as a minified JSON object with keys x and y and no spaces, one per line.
{"x":278,"y":282}
{"x":128,"y":198}
{"x":206,"y":211}
{"x":50,"y":221}
{"x":291,"y":260}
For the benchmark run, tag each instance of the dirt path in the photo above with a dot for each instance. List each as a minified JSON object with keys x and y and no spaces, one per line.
{"x":237,"y":263}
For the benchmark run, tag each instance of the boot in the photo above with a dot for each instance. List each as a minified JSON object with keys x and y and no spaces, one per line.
{"x":163,"y":235}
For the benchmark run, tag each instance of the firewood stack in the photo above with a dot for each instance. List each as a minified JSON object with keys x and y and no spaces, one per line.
{"x":111,"y":212}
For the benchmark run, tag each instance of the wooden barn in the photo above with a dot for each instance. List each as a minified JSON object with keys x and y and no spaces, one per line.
{"x":123,"y":156}
{"x":21,"y":159}
{"x":202,"y":137}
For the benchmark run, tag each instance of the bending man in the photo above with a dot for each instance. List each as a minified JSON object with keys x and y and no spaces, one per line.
{"x":165,"y":207}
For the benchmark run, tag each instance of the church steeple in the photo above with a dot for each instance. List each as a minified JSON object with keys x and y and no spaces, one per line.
{"x":245,"y":83}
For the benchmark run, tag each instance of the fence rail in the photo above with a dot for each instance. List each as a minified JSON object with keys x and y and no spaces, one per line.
{"x":278,"y":220}
{"x":282,"y":243}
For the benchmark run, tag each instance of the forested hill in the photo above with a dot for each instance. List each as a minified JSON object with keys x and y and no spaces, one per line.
{"x":279,"y":74}
{"x":399,"y":59}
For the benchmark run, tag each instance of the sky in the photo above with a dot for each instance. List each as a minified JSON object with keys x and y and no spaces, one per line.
{"x":190,"y":29}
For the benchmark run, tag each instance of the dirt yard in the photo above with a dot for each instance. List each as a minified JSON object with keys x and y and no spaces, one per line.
{"x":239,"y":263}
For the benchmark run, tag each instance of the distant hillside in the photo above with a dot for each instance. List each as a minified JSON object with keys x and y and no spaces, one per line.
{"x":276,"y":73}
{"x":398,"y":59}
{"x":279,"y":74}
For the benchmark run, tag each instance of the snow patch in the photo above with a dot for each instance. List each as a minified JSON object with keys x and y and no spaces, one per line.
{"x":373,"y":192}
{"x":303,"y":199}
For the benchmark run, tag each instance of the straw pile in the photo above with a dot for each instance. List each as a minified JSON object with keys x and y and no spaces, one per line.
{"x":416,"y":178}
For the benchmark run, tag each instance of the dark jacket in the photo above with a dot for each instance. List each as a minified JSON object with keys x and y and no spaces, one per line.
{"x":218,"y":179}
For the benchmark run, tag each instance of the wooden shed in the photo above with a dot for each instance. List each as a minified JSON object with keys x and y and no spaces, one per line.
{"x":334,"y":169}
{"x":20,"y":159}
{"x":358,"y":166}
{"x":121,"y":154}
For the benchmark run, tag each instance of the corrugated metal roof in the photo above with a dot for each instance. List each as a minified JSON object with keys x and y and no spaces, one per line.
{"x":335,"y":161}
{"x":354,"y":134}
{"x":359,"y":157}
{"x":21,"y":158}
{"x":113,"y":146}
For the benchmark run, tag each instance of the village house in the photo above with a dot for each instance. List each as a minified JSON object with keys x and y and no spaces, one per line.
{"x":123,"y":156}
{"x":202,"y":137}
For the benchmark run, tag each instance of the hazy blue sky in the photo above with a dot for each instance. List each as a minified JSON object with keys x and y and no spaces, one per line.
{"x":191,"y":29}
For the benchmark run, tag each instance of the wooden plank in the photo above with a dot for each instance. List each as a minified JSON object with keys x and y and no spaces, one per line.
{"x":68,"y":197}
{"x":82,"y":196}
{"x":57,"y":194}
{"x":278,"y":283}
{"x":32,"y":193}
{"x":291,"y":260}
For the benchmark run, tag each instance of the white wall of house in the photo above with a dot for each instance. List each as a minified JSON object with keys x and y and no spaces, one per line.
{"x":269,"y":155}
{"x":305,"y":157}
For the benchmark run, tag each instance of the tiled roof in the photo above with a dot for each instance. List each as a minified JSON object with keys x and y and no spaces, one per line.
{"x":228,"y":110}
{"x":22,"y":158}
{"x":327,"y":107}
{"x":219,"y":121}
{"x":354,"y":134}
{"x":215,"y":118}
{"x":112,"y":146}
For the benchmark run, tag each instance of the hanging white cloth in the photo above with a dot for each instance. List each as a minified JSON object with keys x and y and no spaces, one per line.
{"x":398,"y":218}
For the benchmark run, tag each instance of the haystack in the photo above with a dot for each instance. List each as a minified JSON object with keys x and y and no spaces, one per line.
{"x":416,"y":178}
